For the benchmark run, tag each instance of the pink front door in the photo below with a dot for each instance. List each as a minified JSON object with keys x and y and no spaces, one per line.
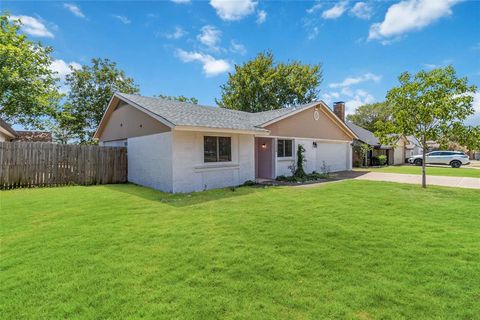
{"x":264,"y":157}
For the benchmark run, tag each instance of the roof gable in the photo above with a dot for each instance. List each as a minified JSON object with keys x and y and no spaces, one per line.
{"x":314,"y":122}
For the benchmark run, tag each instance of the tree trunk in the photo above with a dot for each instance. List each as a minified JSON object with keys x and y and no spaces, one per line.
{"x":424,"y":158}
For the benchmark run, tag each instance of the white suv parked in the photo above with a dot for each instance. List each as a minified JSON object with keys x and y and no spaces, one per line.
{"x":452,"y":158}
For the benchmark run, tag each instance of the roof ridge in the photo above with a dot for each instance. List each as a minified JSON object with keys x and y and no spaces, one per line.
{"x":195,"y":105}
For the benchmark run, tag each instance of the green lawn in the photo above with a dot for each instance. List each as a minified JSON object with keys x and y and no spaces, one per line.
{"x":434,"y":171}
{"x":349,"y":250}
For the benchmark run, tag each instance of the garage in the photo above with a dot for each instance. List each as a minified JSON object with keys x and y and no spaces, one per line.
{"x":336,"y":156}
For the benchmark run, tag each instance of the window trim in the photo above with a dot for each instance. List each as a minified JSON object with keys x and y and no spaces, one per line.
{"x":217,"y":153}
{"x":284,"y":157}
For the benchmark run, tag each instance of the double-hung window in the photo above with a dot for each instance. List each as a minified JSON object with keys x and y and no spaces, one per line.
{"x":284,"y":148}
{"x":217,"y":149}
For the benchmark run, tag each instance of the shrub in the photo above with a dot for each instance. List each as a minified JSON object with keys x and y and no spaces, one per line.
{"x":249,"y":183}
{"x":382,"y":160}
{"x":307,"y":177}
{"x":316,"y":176}
{"x":300,"y":172}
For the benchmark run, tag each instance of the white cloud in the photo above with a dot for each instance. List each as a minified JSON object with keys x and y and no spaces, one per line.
{"x":442,"y":64}
{"x":356,"y":80}
{"x":122,"y":19}
{"x":211,"y":66}
{"x":474,"y":120}
{"x":476,"y":101}
{"x":430,"y":66}
{"x":177,"y":34}
{"x":409,"y":15}
{"x":336,"y":11}
{"x":33,"y":26}
{"x":63,"y":68}
{"x":359,"y":98}
{"x":181,"y":1}
{"x":237,"y":47}
{"x":362,"y":10}
{"x":261,"y":16}
{"x":233,"y":9}
{"x":330,"y":97}
{"x":354,"y":99}
{"x":210,"y":36}
{"x":74,"y":9}
{"x":313,"y":33}
{"x":317,"y":6}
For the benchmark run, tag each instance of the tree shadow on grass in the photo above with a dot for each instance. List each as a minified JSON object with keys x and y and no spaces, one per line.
{"x":180,"y":199}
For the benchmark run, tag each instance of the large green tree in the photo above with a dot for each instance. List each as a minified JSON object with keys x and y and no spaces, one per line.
{"x":91,"y":88}
{"x":28,"y":87}
{"x":430,"y":105}
{"x":262,"y":84}
{"x":367,"y":115}
{"x":467,"y":136}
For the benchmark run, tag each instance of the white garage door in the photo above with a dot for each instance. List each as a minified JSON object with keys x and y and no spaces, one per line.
{"x":333,"y":155}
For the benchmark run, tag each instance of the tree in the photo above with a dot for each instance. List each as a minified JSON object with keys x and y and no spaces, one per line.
{"x":62,"y":125}
{"x":262,"y":84}
{"x":91,"y":88}
{"x":362,"y":150}
{"x":467,"y":137}
{"x":179,"y":98}
{"x":28,"y":87}
{"x":431,"y":105}
{"x":367,"y":115}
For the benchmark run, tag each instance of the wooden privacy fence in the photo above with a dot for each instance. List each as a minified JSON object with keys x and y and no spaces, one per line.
{"x":29,"y":164}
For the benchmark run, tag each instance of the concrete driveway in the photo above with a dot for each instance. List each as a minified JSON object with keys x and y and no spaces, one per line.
{"x":460,"y":182}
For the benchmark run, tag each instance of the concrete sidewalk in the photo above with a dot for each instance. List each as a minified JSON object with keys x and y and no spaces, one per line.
{"x":459,"y":182}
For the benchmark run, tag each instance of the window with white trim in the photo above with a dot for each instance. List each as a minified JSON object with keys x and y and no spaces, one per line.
{"x":284,"y":148}
{"x":217,"y":149}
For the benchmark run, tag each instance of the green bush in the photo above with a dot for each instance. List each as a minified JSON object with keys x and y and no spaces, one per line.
{"x":300,"y":172}
{"x":382,"y":160}
{"x":305,"y":178}
{"x":249,"y":183}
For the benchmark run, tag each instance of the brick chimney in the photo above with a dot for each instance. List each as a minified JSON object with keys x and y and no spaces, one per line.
{"x":339,"y":110}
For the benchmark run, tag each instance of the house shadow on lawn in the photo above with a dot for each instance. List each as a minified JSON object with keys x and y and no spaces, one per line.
{"x":180,"y":199}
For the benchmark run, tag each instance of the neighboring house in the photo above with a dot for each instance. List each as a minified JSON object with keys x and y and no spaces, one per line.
{"x":6,"y":132}
{"x":181,"y":147}
{"x":413,"y":147}
{"x":395,"y":154}
{"x":34,"y":136}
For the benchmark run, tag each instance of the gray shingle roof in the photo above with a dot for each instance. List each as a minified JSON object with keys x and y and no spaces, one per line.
{"x":189,"y":114}
{"x":363,"y":134}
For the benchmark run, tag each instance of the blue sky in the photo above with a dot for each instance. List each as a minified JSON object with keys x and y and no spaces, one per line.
{"x":188,"y":47}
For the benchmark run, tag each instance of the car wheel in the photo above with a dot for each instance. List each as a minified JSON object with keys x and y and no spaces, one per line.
{"x":455,"y":164}
{"x":418,"y":162}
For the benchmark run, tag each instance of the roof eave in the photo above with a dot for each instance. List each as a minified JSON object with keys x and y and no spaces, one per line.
{"x":223,"y":130}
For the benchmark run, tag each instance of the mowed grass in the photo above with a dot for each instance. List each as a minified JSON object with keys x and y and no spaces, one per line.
{"x":349,"y":250}
{"x":431,"y":170}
